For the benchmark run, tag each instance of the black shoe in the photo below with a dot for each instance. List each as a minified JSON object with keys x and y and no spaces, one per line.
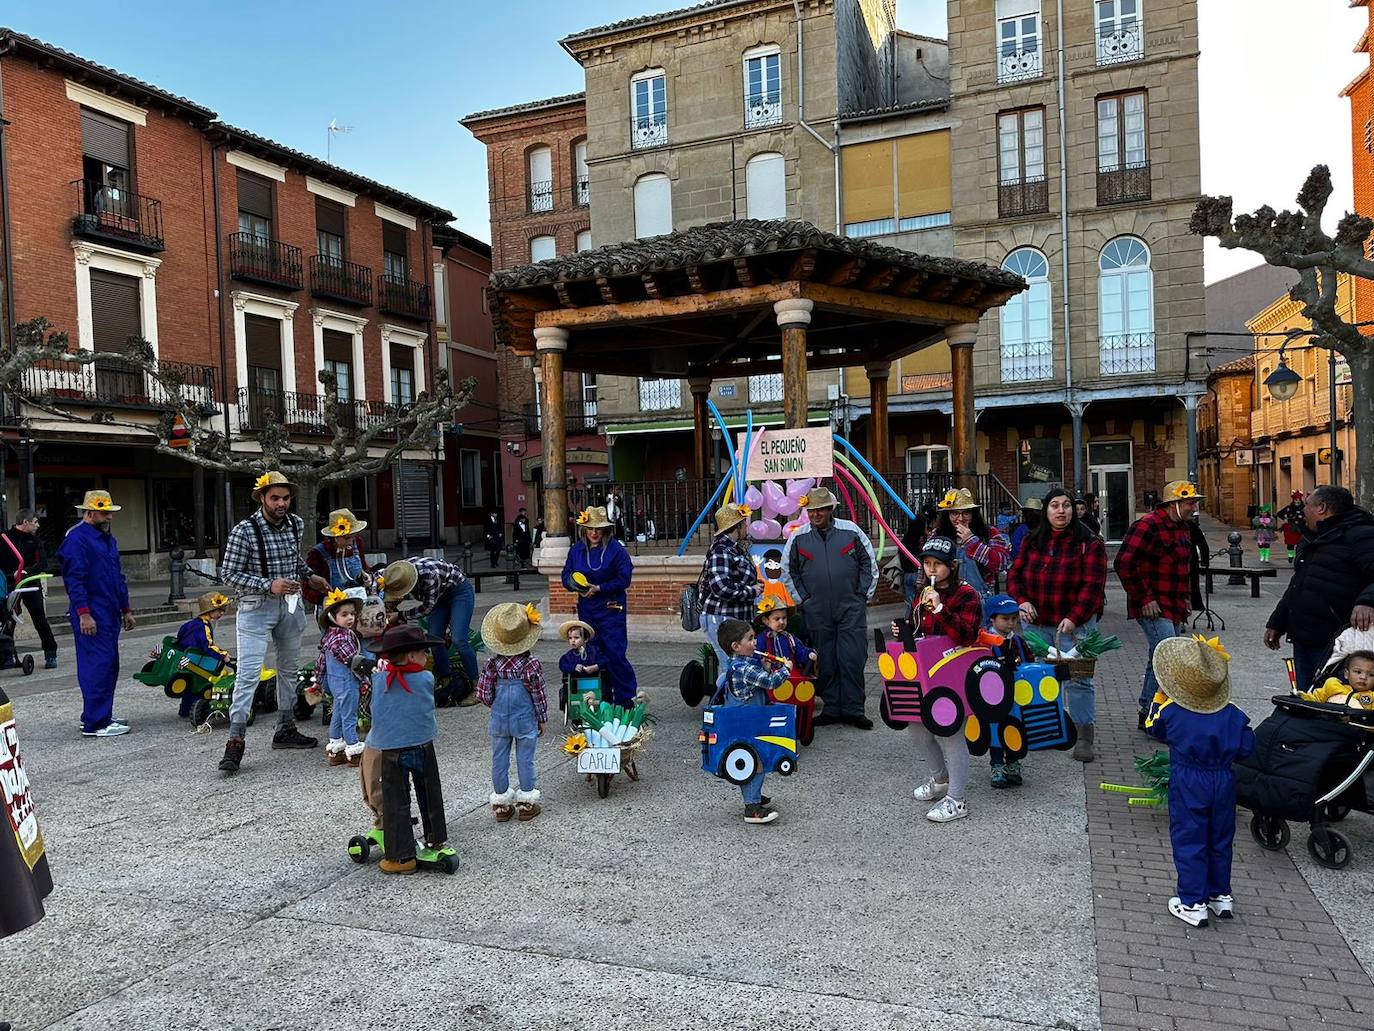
{"x":289,"y":737}
{"x":765,"y":800}
{"x":1140,"y":720}
{"x":860,"y":722}
{"x":233,"y":755}
{"x":825,"y":719}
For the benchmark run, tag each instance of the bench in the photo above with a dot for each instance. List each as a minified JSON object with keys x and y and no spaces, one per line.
{"x":1210,"y":572}
{"x":514,"y":574}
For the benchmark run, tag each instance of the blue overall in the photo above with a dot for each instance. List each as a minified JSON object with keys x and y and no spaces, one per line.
{"x":609,"y":567}
{"x":94,"y":584}
{"x":1202,"y":792}
{"x":513,"y":725}
{"x":343,"y":572}
{"x":343,"y":685}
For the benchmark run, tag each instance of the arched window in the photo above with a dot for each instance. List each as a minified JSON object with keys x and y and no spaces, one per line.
{"x":542,"y":248}
{"x":1027,"y":345}
{"x":540,"y":178}
{"x":1126,"y":307}
{"x":653,"y":205}
{"x":765,"y":193}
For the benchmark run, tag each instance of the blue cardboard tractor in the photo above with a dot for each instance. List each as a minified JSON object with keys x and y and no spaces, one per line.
{"x":739,"y":741}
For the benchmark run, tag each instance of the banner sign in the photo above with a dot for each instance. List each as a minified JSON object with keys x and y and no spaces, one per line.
{"x":791,"y":454}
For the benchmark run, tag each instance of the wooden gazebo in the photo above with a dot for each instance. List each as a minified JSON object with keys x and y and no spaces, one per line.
{"x":742,"y":298}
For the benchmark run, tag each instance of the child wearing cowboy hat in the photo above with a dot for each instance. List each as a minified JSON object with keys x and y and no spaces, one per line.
{"x":196,"y":635}
{"x":1192,"y":713}
{"x":403,"y":731}
{"x":512,"y":686}
{"x":335,"y":668}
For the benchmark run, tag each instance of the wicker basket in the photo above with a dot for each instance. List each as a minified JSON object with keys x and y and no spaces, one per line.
{"x":1079,"y":669}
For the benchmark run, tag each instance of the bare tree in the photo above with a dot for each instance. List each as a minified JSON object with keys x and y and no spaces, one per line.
{"x":312,"y":467}
{"x":1296,"y":240}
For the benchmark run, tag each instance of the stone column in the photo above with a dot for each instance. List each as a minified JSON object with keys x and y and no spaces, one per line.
{"x":879,"y":437}
{"x":961,"y":337}
{"x":550,"y":343}
{"x":1190,"y":406}
{"x":701,"y":430}
{"x":794,"y":315}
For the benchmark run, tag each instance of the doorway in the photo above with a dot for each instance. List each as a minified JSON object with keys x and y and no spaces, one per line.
{"x":1111,"y":478}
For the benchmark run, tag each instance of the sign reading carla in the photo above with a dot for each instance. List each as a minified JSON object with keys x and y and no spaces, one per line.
{"x":598,"y":760}
{"x":791,"y":454}
{"x":15,"y":792}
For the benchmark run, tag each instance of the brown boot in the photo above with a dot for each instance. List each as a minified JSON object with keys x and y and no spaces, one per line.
{"x":1083,"y":747}
{"x":502,"y":806}
{"x":527,"y":804}
{"x":397,"y":866}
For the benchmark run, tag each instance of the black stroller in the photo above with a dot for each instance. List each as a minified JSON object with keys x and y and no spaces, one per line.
{"x":11,"y":613}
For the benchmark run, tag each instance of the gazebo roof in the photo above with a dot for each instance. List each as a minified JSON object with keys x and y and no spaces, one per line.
{"x":698,"y":301}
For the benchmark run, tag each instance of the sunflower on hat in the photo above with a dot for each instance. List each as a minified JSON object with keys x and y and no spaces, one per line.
{"x":950,"y":499}
{"x":584,"y":517}
{"x":342,"y":526}
{"x":262,"y":481}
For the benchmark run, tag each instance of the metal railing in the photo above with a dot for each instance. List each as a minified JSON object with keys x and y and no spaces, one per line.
{"x":341,"y":280}
{"x":582,"y":192}
{"x":403,"y":296}
{"x":580,"y":417}
{"x":766,"y":388}
{"x":649,"y":131}
{"x":1126,"y":44}
{"x":1028,"y":196}
{"x":1027,"y":360}
{"x":1123,"y":354}
{"x":541,"y":195}
{"x":1123,"y":184}
{"x":660,"y":395}
{"x":117,"y":214}
{"x":109,"y":381}
{"x":763,"y":109}
{"x":1019,"y":65}
{"x":265,"y":260}
{"x":304,"y":414}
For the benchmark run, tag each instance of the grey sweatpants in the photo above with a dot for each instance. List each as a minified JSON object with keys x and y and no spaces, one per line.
{"x":946,"y":759}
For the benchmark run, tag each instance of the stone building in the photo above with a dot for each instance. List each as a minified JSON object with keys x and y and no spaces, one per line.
{"x":1225,"y":448}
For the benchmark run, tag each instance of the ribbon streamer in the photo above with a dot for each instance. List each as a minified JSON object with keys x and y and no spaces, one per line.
{"x":866,"y":488}
{"x":709,"y":505}
{"x":881,"y":521}
{"x":876,"y":475}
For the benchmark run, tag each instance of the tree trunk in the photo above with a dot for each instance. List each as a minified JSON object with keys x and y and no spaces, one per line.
{"x":1362,"y":420}
{"x":308,"y":507}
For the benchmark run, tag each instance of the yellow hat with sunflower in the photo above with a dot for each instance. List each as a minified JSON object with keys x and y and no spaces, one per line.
{"x":1181,"y":490}
{"x":97,"y":501}
{"x":212,"y":602}
{"x":730,"y":516}
{"x":957,"y":499}
{"x":343,"y":523}
{"x":271,"y":478}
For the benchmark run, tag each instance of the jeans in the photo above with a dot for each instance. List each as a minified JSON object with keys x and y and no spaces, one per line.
{"x":343,"y":685}
{"x":1080,"y":696}
{"x":1307,"y":663}
{"x":453,"y":613}
{"x":260,"y":617}
{"x":402,"y":768}
{"x":513,"y":725}
{"x":752,"y":789}
{"x":710,"y":625}
{"x":1156,"y":630}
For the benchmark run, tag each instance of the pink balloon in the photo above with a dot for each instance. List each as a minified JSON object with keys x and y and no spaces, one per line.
{"x":800,"y":486}
{"x":793,"y":527}
{"x":774,"y":498}
{"x":753,"y":498}
{"x":765,"y":530}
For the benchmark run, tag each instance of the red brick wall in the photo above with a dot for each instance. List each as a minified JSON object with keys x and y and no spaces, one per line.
{"x":1362,"y":164}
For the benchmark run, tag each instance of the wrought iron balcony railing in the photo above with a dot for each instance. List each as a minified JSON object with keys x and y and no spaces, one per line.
{"x":763,"y":109}
{"x":1125,"y":354}
{"x":1126,"y":44}
{"x":766,"y":389}
{"x":650,"y":131}
{"x":304,"y":414}
{"x":117,"y":215}
{"x":264,"y":260}
{"x":580,"y":417}
{"x":340,"y":280}
{"x":582,"y":192}
{"x":109,"y":381}
{"x":402,"y":296}
{"x":1123,"y":184}
{"x":1027,"y":360}
{"x":541,"y":196}
{"x":1029,"y":196}
{"x":1018,"y":65}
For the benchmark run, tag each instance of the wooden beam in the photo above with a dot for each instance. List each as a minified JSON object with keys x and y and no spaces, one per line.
{"x":846,"y":272}
{"x":803,"y":265}
{"x":942,"y":287}
{"x":743,"y":272}
{"x":630,"y":312}
{"x":565,"y":297}
{"x":908,"y":284}
{"x":608,"y":293}
{"x":857,"y":302}
{"x":879,"y":279}
{"x":969,"y":293}
{"x":525,"y":301}
{"x":764,"y":366}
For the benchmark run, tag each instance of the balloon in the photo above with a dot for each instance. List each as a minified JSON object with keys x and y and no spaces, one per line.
{"x":765,"y":530}
{"x":795,"y":490}
{"x":774,"y":498}
{"x":801,"y":486}
{"x":793,"y":527}
{"x":753,"y":498}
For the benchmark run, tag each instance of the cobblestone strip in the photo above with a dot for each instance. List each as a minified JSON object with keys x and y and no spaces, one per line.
{"x":1281,"y":963}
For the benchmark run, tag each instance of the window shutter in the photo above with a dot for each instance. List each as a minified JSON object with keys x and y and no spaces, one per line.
{"x":115,"y":314}
{"x":867,"y":176}
{"x":394,"y":239}
{"x":329,"y":217}
{"x":105,"y":139}
{"x":255,"y":195}
{"x":262,"y":341}
{"x":338,"y":347}
{"x":923,"y":186}
{"x":402,"y":357}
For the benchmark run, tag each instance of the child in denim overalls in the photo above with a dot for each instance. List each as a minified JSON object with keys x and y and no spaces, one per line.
{"x":512,"y":686}
{"x":747,"y":682}
{"x":334,"y":669}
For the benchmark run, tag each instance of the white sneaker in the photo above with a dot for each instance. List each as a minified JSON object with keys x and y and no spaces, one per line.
{"x":109,"y":730}
{"x":947,"y":810}
{"x":931,"y":790}
{"x":1222,"y":906}
{"x":1194,"y":915}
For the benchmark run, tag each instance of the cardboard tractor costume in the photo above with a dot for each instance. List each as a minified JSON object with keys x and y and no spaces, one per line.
{"x":25,"y":880}
{"x":738,"y":741}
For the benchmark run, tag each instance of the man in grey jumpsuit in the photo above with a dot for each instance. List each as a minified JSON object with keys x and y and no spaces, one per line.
{"x":831,"y":571}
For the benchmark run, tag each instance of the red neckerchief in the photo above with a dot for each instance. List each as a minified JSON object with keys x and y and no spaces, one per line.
{"x":395,"y":672}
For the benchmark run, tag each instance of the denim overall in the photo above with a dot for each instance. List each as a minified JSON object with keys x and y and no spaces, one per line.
{"x":751,"y":789}
{"x":513,"y":723}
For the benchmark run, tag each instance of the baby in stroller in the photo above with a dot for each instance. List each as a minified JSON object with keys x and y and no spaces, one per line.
{"x":1347,"y":681}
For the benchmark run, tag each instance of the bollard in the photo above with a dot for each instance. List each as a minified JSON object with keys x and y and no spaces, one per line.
{"x":467,"y":558}
{"x":1235,"y":553}
{"x":176,"y":569}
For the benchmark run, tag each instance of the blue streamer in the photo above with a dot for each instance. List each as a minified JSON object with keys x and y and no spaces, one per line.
{"x":744,"y":455}
{"x":875,"y":474}
{"x":729,"y":444}
{"x":709,"y":505}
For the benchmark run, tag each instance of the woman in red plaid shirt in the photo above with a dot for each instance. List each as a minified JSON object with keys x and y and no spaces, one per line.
{"x":1059,"y":579}
{"x":983,"y":551}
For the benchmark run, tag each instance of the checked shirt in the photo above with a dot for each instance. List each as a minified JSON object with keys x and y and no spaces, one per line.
{"x":433,"y":579}
{"x":242,"y":565}
{"x":747,"y":677}
{"x":729,"y":582}
{"x":1063,"y":578}
{"x":1154,"y":565}
{"x":959,"y":617}
{"x":525,"y":668}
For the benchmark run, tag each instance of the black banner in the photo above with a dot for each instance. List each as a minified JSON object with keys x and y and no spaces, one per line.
{"x":24,"y":877}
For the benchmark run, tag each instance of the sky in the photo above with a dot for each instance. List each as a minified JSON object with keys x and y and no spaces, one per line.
{"x":402,"y":75}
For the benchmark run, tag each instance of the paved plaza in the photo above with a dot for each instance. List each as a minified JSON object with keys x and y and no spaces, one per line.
{"x":187,"y":900}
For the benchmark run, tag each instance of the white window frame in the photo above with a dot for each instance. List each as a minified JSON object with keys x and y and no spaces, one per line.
{"x":759,"y":108}
{"x":1117,"y":347}
{"x":553,"y":247}
{"x":764,"y":198}
{"x":406,"y":337}
{"x":111,"y":259}
{"x":1120,"y":37}
{"x":582,"y":194}
{"x":648,"y":128}
{"x":1023,"y":62}
{"x":642,"y":231}
{"x":1013,"y":125}
{"x":342,"y":322}
{"x":1036,"y":362}
{"x":584,"y":240}
{"x":928,"y":450}
{"x":474,"y":483}
{"x":269,"y":307}
{"x":1117,"y":129}
{"x":542,"y":155}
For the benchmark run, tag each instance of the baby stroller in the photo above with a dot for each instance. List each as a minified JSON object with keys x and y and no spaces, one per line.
{"x":11,"y":615}
{"x":1312,"y":763}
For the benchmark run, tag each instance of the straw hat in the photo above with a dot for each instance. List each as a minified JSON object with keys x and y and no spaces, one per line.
{"x":398,"y":580}
{"x":1194,"y":672}
{"x":588,"y":631}
{"x":818,"y":497}
{"x":593,"y":518}
{"x":957,"y":499}
{"x":730,"y":516}
{"x":343,"y":523}
{"x":511,"y":628}
{"x":271,"y":479}
{"x":212,"y":602}
{"x":767,"y":606}
{"x":352,"y":595}
{"x":1180,"y":490}
{"x":405,"y":637}
{"x":1033,"y":505}
{"x":97,"y":501}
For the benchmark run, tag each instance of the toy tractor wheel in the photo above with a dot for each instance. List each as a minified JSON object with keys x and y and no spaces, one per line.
{"x":603,"y":785}
{"x":1270,"y":832}
{"x":450,"y":865}
{"x":359,"y":848}
{"x":739,"y":764}
{"x":1329,"y":848}
{"x":200,"y":712}
{"x":178,"y":686}
{"x":265,"y":699}
{"x":27,"y":665}
{"x":787,"y":766}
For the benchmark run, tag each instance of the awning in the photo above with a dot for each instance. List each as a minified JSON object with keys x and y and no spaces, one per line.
{"x":736,"y":421}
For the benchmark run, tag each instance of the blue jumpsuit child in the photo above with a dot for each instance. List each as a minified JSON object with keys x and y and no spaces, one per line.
{"x":198,"y":635}
{"x":95,"y":586}
{"x":1202,"y":786}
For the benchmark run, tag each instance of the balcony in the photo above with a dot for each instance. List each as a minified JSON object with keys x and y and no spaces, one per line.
{"x":541,"y":196}
{"x":580,"y":418}
{"x":109,"y":382}
{"x":1027,"y":361}
{"x":1029,"y":196}
{"x":340,"y":280}
{"x":115,"y":215}
{"x":1127,"y":354}
{"x":649,"y":131}
{"x":762,"y":110}
{"x":1123,"y":185}
{"x":1018,"y":66}
{"x":1125,"y":44}
{"x":262,"y":260}
{"x":582,"y":192}
{"x":401,"y":296}
{"x":304,"y":414}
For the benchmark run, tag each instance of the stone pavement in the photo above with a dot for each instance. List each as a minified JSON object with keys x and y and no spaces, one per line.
{"x":186,"y":900}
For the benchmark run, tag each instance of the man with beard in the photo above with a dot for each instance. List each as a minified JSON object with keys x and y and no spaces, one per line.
{"x":99,"y":608}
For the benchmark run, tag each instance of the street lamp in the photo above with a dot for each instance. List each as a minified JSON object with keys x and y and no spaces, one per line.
{"x":1283,"y":382}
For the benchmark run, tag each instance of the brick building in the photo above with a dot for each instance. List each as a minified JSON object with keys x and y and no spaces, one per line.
{"x":1225,"y":451}
{"x":248,"y":266}
{"x":1361,"y":95}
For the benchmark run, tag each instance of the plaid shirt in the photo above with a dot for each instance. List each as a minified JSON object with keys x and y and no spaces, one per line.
{"x":1063,"y":578}
{"x":525,"y":668}
{"x":433,"y":579}
{"x":729,"y":582}
{"x":338,"y":642}
{"x":747,"y":677}
{"x":242,"y":565}
{"x":991,"y":554}
{"x":1154,"y":564}
{"x":959,"y":617}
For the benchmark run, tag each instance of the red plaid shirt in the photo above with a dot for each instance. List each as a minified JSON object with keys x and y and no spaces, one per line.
{"x":1063,"y":578}
{"x":525,"y":668}
{"x":959,"y":617}
{"x":1154,"y":564}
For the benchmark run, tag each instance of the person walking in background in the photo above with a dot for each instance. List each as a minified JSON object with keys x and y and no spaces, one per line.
{"x":522,"y":538}
{"x":1263,"y":524}
{"x":1030,"y":520}
{"x":494,"y":534}
{"x":21,"y":555}
{"x":1086,"y":517}
{"x":99,"y":609}
{"x":1292,"y":525}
